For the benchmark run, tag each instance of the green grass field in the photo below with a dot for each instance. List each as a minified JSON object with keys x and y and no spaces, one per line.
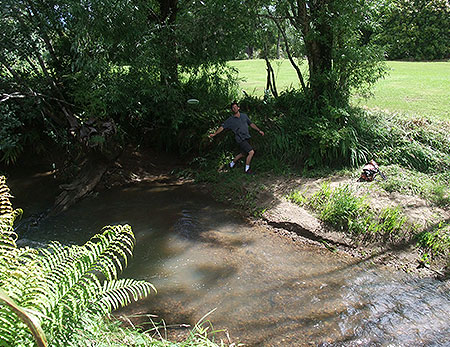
{"x":416,"y":88}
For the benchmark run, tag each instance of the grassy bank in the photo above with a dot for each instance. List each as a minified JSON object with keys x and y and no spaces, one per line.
{"x":346,"y":210}
{"x":416,"y":88}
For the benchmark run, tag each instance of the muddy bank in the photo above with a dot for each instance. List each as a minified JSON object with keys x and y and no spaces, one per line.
{"x":301,"y":223}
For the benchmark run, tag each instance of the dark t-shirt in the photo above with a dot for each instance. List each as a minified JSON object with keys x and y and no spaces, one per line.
{"x":239,"y":126}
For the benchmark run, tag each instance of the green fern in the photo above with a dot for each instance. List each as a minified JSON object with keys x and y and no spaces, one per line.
{"x":58,"y":286}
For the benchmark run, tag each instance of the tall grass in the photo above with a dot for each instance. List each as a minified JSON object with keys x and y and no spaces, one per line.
{"x":437,"y":240}
{"x":432,"y":187}
{"x":340,"y":208}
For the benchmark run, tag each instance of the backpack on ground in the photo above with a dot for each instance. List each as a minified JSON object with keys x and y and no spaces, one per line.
{"x":369,"y":171}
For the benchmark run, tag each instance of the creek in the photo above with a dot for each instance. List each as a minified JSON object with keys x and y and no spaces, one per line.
{"x":263,"y":288}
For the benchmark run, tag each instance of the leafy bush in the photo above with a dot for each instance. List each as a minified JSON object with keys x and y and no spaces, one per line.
{"x":19,"y":132}
{"x":299,"y":133}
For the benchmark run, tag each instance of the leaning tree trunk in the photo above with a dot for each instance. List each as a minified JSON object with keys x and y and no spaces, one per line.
{"x":90,"y":174}
{"x":93,"y":166}
{"x":270,"y":80}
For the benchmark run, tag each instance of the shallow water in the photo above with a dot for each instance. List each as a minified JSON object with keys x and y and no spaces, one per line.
{"x":264,"y":290}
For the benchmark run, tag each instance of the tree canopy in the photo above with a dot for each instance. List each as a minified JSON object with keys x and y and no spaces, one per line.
{"x":94,"y":75}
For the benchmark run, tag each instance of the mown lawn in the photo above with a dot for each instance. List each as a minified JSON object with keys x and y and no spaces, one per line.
{"x":416,"y":88}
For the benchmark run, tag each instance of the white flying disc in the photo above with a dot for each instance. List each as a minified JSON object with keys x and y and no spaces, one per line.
{"x":193,"y":101}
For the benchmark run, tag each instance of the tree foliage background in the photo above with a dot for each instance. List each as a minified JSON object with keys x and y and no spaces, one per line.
{"x":413,"y":30}
{"x":87,"y":77}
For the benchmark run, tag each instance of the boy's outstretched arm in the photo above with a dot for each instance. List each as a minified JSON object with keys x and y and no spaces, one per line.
{"x":253,"y":125}
{"x":217,"y":131}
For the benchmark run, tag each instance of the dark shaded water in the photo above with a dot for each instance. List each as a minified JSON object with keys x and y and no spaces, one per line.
{"x":265,"y":291}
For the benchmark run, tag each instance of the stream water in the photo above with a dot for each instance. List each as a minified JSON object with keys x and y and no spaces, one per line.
{"x":264,"y":290}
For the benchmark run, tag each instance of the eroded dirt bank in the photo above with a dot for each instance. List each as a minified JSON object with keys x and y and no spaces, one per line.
{"x":297,"y":223}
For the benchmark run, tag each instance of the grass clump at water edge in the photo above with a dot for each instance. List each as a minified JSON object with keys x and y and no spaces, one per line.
{"x":435,"y":242}
{"x":342,"y":209}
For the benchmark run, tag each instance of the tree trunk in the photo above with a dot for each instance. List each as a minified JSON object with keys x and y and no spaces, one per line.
{"x":319,"y":53}
{"x":271,"y":84}
{"x":317,"y":34}
{"x":250,"y":51}
{"x":288,"y":52}
{"x":90,"y":174}
{"x":278,"y":46}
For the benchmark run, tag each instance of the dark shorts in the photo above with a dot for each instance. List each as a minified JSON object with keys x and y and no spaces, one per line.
{"x":245,"y":147}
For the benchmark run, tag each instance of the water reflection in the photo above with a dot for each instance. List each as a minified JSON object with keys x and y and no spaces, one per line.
{"x":266,"y":291}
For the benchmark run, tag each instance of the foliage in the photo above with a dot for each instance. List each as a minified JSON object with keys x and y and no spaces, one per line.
{"x":68,"y":68}
{"x":437,"y":240}
{"x":329,"y":35}
{"x":413,"y":143}
{"x":101,"y":332}
{"x":298,"y":197}
{"x":62,"y":287}
{"x":340,"y":208}
{"x":416,"y":30}
{"x":10,"y":141}
{"x":299,"y":135}
{"x":344,"y":210}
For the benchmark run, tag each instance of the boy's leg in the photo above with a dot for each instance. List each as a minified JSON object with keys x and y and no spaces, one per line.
{"x":239,"y":156}
{"x":249,"y":157}
{"x":247,"y":148}
{"x":248,"y":160}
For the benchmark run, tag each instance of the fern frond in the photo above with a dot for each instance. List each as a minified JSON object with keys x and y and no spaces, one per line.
{"x":73,"y":272}
{"x":61,"y":284}
{"x":119,"y":293}
{"x":7,"y":235}
{"x":5,"y":203}
{"x":119,"y":241}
